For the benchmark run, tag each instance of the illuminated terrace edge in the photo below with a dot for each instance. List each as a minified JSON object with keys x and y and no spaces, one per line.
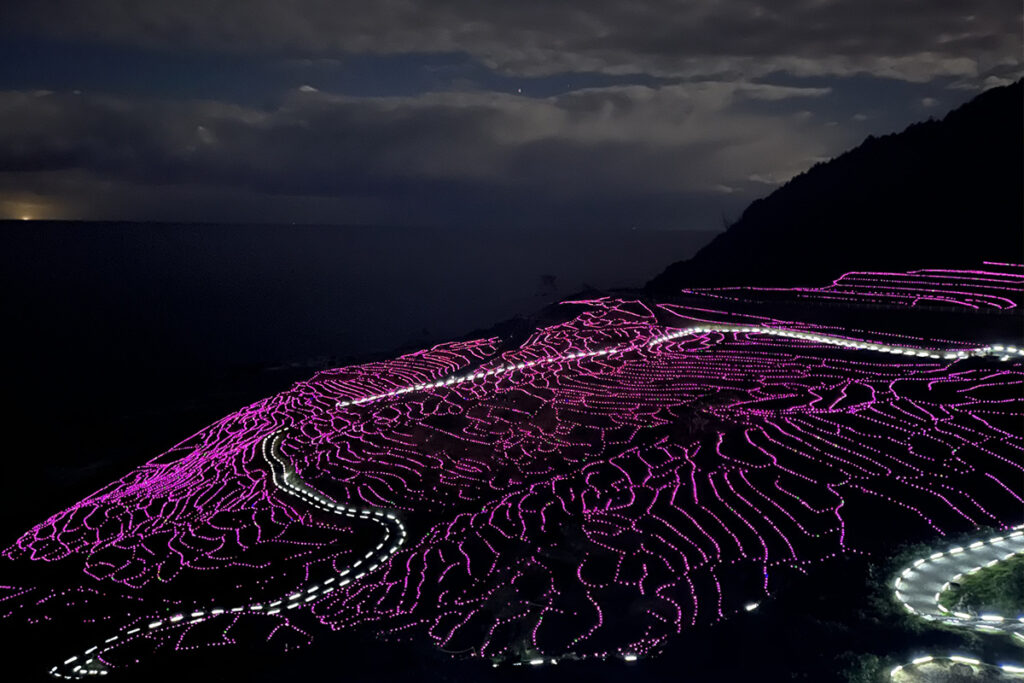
{"x":1002,"y":351}
{"x":88,"y":664}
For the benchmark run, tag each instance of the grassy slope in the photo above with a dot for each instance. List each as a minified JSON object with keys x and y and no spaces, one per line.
{"x":998,"y":589}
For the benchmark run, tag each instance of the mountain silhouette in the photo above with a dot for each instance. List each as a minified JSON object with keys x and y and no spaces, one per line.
{"x":941,"y":193}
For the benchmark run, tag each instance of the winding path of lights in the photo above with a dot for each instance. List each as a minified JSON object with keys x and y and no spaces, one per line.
{"x":88,"y":662}
{"x":919,"y":586}
{"x":1003,"y":352}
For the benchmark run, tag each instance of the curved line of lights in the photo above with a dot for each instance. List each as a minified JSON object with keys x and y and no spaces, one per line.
{"x":1003,"y":352}
{"x":985,"y":623}
{"x":88,"y":663}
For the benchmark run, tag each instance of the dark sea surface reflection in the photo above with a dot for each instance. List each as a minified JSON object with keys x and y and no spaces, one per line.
{"x":242,"y":294}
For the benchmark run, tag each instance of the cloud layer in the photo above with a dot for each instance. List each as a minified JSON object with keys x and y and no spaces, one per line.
{"x":631,"y":142}
{"x":664,"y":109}
{"x":912,"y":39}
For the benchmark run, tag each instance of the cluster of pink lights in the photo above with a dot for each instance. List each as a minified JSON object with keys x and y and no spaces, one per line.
{"x":575,"y":503}
{"x":998,"y":286}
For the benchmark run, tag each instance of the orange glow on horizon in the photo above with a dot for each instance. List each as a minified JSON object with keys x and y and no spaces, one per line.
{"x":31,"y":208}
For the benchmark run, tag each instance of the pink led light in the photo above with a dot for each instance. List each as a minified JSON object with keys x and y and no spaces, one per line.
{"x":607,"y":458}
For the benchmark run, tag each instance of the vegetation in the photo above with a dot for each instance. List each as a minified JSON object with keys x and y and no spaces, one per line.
{"x":998,"y":589}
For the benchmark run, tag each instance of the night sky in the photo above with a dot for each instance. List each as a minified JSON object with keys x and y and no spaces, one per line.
{"x":647,"y":113}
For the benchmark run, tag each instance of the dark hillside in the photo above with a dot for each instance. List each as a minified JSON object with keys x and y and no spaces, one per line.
{"x":941,"y":193}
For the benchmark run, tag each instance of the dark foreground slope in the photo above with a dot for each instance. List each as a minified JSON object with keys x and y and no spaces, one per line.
{"x":941,"y":193}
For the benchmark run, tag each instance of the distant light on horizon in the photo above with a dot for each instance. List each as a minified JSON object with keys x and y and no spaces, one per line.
{"x":35,"y":208}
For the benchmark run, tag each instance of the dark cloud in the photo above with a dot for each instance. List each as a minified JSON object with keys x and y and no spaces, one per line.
{"x":231,"y":109}
{"x":912,"y":39}
{"x":627,"y":142}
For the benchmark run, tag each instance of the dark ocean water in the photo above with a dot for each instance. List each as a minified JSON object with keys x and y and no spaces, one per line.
{"x":242,"y":294}
{"x":123,"y":339}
